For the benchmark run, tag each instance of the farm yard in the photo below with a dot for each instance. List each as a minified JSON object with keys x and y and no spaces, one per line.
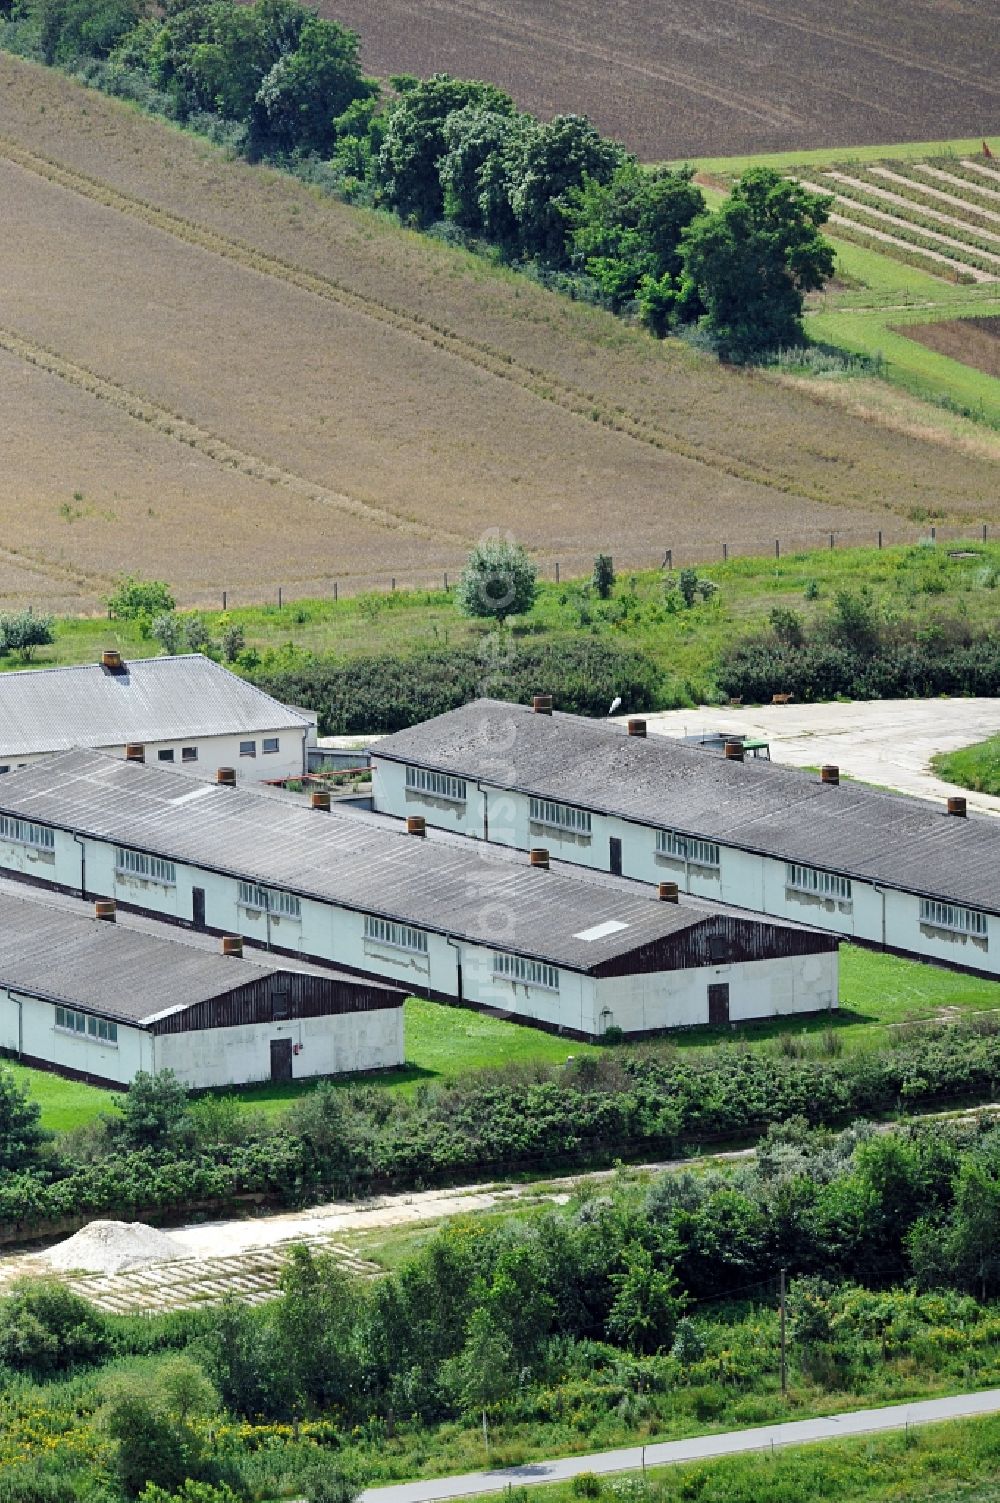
{"x":396,"y":397}
{"x":692,"y":80}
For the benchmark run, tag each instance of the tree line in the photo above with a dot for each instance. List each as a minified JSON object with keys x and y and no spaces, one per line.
{"x":458,"y":156}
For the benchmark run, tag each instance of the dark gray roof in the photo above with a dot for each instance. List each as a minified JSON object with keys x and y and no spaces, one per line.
{"x":875,"y":836}
{"x":123,"y":971}
{"x":151,"y":699}
{"x":454,"y":887}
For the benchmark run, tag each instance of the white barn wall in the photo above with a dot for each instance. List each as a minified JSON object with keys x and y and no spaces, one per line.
{"x":338,"y":1044}
{"x":35,"y":1035}
{"x":757,"y":989}
{"x":289,"y":761}
{"x":875,"y":915}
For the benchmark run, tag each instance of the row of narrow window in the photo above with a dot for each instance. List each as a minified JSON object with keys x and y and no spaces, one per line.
{"x":24,"y":832}
{"x":269,"y":900}
{"x":81,"y":1022}
{"x":439,"y":784}
{"x":544,"y":811}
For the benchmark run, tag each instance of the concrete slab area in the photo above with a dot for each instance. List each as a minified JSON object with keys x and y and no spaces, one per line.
{"x":888,"y":742}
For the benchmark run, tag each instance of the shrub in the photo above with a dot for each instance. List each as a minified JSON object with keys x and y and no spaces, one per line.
{"x":133,"y":598}
{"x":166,"y":629}
{"x":389,"y":693}
{"x":45,"y":1328}
{"x":604,"y":575}
{"x":499,"y":580}
{"x":233,"y":642}
{"x":23,"y":632}
{"x":197,"y":636}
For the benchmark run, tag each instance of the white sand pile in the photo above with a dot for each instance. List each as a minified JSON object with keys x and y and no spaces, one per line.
{"x":110,"y":1247}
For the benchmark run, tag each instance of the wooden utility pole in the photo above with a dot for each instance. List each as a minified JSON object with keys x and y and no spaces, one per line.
{"x":784,"y":1350}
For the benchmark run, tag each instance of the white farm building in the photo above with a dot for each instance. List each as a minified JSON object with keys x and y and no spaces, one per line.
{"x":574,"y":952}
{"x":101,"y":1000}
{"x":185,"y":711}
{"x":881,"y":868}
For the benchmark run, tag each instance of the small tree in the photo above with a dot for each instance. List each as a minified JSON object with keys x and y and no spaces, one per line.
{"x":233,"y":642}
{"x":45,"y":1328}
{"x":648,"y":1302}
{"x":498,"y":581}
{"x":133,"y":598}
{"x":155,"y":1110}
{"x":21,"y":1133}
{"x":604,"y":575}
{"x":197,"y":635}
{"x":166,"y":629}
{"x":23,"y":632}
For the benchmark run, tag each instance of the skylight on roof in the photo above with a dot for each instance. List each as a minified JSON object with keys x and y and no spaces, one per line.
{"x":601,"y":931}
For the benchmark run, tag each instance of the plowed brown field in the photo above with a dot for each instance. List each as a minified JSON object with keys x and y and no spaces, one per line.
{"x":973,"y":341}
{"x":248,"y":384}
{"x":692,"y":78}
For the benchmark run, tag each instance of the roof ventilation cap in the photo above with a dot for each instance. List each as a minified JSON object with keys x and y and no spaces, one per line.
{"x":226,"y":776}
{"x":956,"y":806}
{"x":829,"y":774}
{"x":734,"y":751}
{"x":111,"y":659}
{"x":105,"y":909}
{"x":637,"y":728}
{"x":232,"y":944}
{"x":539,"y":856}
{"x":542,"y":704}
{"x":668,"y":892}
{"x":320,"y":799}
{"x":416,"y":824}
{"x":135,"y":752}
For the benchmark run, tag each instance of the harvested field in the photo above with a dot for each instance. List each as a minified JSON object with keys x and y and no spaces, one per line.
{"x":973,"y":341}
{"x":249,"y":384}
{"x":690,"y":79}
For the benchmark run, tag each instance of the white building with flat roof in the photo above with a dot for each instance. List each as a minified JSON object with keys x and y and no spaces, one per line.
{"x":185,"y":711}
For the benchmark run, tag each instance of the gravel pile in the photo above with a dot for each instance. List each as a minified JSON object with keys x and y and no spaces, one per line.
{"x":110,"y":1246}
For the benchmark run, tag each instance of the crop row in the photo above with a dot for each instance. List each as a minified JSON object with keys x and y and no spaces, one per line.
{"x":933,"y":198}
{"x":982,"y":181}
{"x":849,"y":193}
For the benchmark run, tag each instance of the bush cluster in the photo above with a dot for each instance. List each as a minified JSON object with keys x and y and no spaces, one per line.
{"x":389,"y":693}
{"x":164,"y":1154}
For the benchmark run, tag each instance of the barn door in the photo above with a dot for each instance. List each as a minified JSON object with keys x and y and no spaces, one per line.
{"x":281,"y":1059}
{"x":718,"y":1003}
{"x":198,"y":907}
{"x":615,"y":856}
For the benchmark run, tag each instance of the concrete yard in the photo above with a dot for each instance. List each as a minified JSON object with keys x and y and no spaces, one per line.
{"x":888,"y":742}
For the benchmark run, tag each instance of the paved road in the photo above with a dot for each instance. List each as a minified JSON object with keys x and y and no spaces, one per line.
{"x":700,"y":1448}
{"x":884,"y":741}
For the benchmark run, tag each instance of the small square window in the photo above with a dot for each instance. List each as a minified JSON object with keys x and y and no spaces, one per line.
{"x":165,"y":756}
{"x":189,"y":754}
{"x":248,"y":748}
{"x":270,"y":744}
{"x":5,"y":768}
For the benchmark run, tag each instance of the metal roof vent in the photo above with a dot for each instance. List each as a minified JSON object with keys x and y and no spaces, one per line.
{"x":105,"y":909}
{"x":111,"y":659}
{"x":539,"y":856}
{"x":734,"y":751}
{"x":416,"y":824}
{"x":829,"y":774}
{"x":320,"y":799}
{"x":637,"y":728}
{"x":135,"y":752}
{"x":668,"y":892}
{"x":226,"y":776}
{"x":232,"y":944}
{"x":542,"y":704}
{"x":956,"y":806}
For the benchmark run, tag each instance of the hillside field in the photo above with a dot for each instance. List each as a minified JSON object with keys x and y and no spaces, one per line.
{"x":691,"y":79}
{"x":217,"y":376}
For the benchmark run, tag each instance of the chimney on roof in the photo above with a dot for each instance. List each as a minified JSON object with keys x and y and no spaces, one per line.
{"x":232,"y":944}
{"x":416,"y":824}
{"x":105,"y":909}
{"x":542,"y":704}
{"x":668,"y":892}
{"x":956,"y":806}
{"x":734,"y":751}
{"x":226,"y":776}
{"x":539,"y":856}
{"x":111,"y":659}
{"x":320,"y":799}
{"x":135,"y":752}
{"x":829,"y":774}
{"x":637,"y":728}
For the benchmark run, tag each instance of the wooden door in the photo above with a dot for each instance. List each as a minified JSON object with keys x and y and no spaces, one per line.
{"x":281,"y":1059}
{"x":718,"y":1003}
{"x":198,"y":907}
{"x":615,"y":856}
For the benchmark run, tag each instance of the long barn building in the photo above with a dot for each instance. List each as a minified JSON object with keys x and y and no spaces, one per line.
{"x":882,"y":868}
{"x":101,"y":999}
{"x":577,"y":953}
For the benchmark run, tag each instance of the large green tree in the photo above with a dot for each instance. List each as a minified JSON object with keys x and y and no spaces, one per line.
{"x":750,"y":264}
{"x":557,"y":159}
{"x":306,"y":90}
{"x":415,"y":141}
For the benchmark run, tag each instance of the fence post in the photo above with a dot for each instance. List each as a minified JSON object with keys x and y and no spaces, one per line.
{"x":933,"y":534}
{"x":394,"y":584}
{"x":831,"y":542}
{"x":334,"y":589}
{"x":880,"y":539}
{"x":446,"y":581}
{"x":984,"y":532}
{"x":725,"y":553}
{"x":279,"y":597}
{"x":777,"y":547}
{"x":668,"y":559}
{"x":225,"y":597}
{"x":557,"y":571}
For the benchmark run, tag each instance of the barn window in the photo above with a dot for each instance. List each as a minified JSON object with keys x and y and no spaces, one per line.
{"x":820,"y":884}
{"x":718,"y":948}
{"x":439,"y":784}
{"x":147,"y":868}
{"x":270,"y":744}
{"x":25,"y":832}
{"x":71,"y":1021}
{"x":528,"y":972}
{"x":687,"y":848}
{"x":248,"y":748}
{"x":950,"y":916}
{"x":398,"y":936}
{"x":269,"y":900}
{"x":280,"y":999}
{"x":545,"y":811}
{"x":165,"y":756}
{"x":189,"y":754}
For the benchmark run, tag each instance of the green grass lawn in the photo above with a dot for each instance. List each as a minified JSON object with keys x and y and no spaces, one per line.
{"x":976,"y":766}
{"x":911,"y":582}
{"x":826,"y":156}
{"x":877,"y":994}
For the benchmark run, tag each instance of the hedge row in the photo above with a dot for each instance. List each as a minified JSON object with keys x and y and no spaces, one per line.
{"x":756,"y":669}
